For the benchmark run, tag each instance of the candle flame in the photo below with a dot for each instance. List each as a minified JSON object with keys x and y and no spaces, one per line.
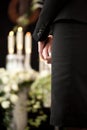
{"x":11,"y":33}
{"x":28,"y":34}
{"x":20,"y":29}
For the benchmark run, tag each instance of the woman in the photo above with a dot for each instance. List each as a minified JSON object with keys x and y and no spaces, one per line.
{"x":62,"y":26}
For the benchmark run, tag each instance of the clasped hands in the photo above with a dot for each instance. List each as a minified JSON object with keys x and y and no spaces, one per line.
{"x":44,"y":49}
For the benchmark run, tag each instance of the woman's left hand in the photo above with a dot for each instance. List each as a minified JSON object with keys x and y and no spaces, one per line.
{"x":44,"y":48}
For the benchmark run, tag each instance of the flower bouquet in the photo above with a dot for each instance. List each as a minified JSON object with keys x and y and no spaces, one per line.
{"x":10,"y":86}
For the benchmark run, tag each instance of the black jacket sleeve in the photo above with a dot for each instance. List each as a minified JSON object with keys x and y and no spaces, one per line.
{"x":50,"y":10}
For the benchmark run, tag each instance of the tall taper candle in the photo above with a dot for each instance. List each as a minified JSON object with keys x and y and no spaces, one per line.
{"x":28,"y":43}
{"x":11,"y":42}
{"x":19,"y":40}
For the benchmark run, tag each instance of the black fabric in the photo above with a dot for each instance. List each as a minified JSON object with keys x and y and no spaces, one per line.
{"x":69,"y":59}
{"x":55,"y":10}
{"x":49,"y":12}
{"x":69,"y":75}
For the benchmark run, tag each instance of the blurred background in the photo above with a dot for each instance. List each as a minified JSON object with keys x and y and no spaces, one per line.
{"x":24,"y":78}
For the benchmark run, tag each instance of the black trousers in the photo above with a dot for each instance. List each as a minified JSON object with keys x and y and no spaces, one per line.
{"x":69,"y":75}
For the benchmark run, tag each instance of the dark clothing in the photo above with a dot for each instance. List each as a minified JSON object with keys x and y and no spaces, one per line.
{"x":69,"y":75}
{"x":68,"y":18}
{"x":73,"y":9}
{"x":55,"y":10}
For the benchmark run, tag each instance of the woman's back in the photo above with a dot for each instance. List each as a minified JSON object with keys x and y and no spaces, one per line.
{"x":74,"y":9}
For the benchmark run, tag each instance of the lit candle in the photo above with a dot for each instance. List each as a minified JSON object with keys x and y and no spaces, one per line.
{"x":28,"y":43}
{"x":19,"y":40}
{"x":11,"y":42}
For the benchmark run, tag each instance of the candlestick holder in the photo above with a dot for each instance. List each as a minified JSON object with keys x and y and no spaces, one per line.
{"x":20,"y":62}
{"x":14,"y":62}
{"x":11,"y":62}
{"x":27,"y":64}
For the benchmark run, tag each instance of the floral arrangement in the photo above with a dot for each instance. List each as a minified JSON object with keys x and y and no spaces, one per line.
{"x":12,"y":83}
{"x":41,"y":88}
{"x":40,"y":98}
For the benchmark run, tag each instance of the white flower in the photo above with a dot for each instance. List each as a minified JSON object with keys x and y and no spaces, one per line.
{"x":7,"y":96}
{"x":5,"y":80}
{"x":7,"y":89}
{"x":37,"y":105}
{"x":15,"y":87}
{"x":21,"y":77}
{"x":5,"y":104}
{"x":13,"y":98}
{"x":39,"y":96}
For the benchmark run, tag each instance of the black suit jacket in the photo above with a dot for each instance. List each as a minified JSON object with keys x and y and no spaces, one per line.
{"x":54,"y":10}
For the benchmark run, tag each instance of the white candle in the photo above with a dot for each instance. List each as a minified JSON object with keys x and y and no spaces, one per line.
{"x":19,"y":40}
{"x":28,"y":43}
{"x":11,"y":42}
{"x":41,"y":64}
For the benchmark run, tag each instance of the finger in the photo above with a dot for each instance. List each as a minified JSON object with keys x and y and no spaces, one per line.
{"x":45,"y":52}
{"x":40,"y":46}
{"x":40,"y":49}
{"x":48,"y":61}
{"x":50,"y":50}
{"x":50,"y":54}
